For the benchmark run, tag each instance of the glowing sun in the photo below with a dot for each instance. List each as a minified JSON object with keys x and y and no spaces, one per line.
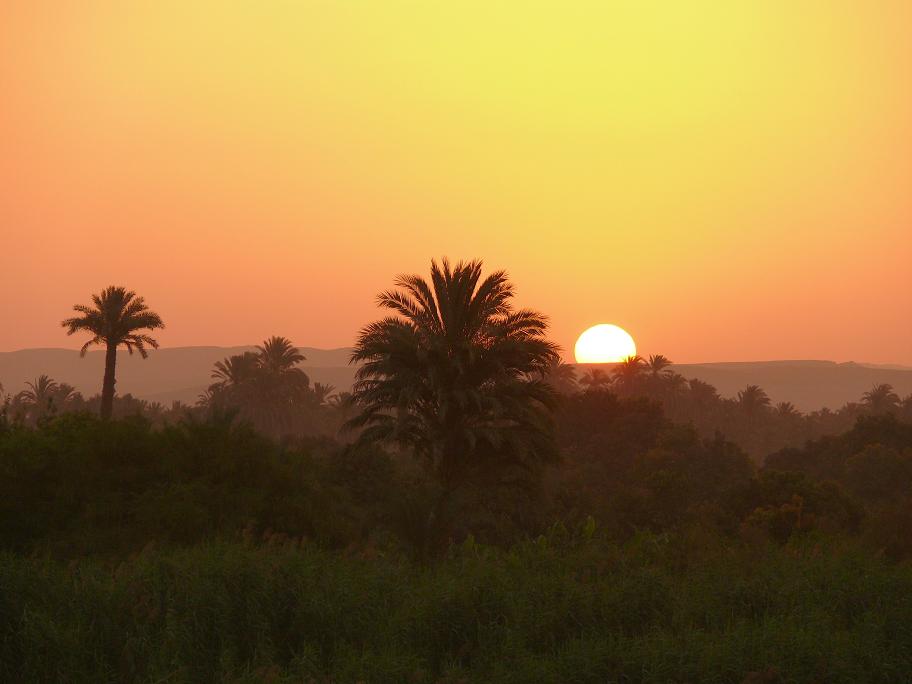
{"x":604,"y":343}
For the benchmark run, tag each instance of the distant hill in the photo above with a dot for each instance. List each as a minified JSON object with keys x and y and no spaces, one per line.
{"x":809,"y":385}
{"x":177,"y":373}
{"x":182,"y":373}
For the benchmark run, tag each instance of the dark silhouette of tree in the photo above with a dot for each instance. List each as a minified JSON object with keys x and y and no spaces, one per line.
{"x":38,"y":399}
{"x":67,"y":393}
{"x":880,"y":399}
{"x":628,"y":374}
{"x":562,"y":377}
{"x":115,"y":319}
{"x":266,"y":388}
{"x":657,"y":366}
{"x":753,"y":400}
{"x":279,"y":358}
{"x":595,"y":378}
{"x":236,"y":370}
{"x":40,"y":391}
{"x":786,"y":409}
{"x":456,"y":375}
{"x":322,"y":392}
{"x":702,"y":393}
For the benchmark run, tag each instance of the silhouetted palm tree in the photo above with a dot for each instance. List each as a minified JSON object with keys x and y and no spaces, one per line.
{"x":702,"y":393}
{"x":905,"y":405}
{"x":341,"y":400}
{"x":880,"y":399}
{"x":456,"y":375}
{"x":628,"y":373}
{"x":657,"y":365}
{"x":595,"y":378}
{"x":786,"y":409}
{"x":278,"y":357}
{"x":562,"y":377}
{"x":237,"y":369}
{"x":752,"y":400}
{"x":40,"y":394}
{"x":322,"y":392}
{"x":114,"y":320}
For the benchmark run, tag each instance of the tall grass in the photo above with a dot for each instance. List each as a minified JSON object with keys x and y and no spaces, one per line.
{"x":659,"y":609}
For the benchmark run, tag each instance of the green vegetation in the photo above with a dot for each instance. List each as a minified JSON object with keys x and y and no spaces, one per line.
{"x":564,"y":608}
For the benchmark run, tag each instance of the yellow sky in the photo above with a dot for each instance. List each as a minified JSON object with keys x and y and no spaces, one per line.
{"x":725,"y":180}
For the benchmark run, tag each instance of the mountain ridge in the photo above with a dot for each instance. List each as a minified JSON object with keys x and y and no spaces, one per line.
{"x":183,"y":373}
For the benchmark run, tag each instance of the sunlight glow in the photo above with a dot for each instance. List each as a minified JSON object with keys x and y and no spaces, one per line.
{"x":604,"y":343}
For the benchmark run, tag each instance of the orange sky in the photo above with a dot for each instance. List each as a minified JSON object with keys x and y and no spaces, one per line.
{"x":727,"y":181}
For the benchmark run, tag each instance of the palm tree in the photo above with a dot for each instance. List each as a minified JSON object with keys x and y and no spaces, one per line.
{"x":321,"y":392}
{"x":752,"y":399}
{"x":40,"y":395}
{"x":595,"y":378}
{"x":279,"y":358}
{"x":786,"y":409}
{"x":114,"y":320}
{"x":235,"y":370}
{"x":341,"y":400}
{"x":905,"y":405}
{"x":456,"y":375}
{"x":562,"y":377}
{"x":702,"y":393}
{"x":881,"y":399}
{"x":628,"y":373}
{"x":657,"y":365}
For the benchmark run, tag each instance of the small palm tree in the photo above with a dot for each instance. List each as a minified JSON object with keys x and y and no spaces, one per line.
{"x":278,"y":357}
{"x":657,"y":365}
{"x":702,"y":393}
{"x":236,"y":370}
{"x":786,"y":409}
{"x":115,"y":319}
{"x":628,"y":373}
{"x":753,"y":399}
{"x":595,"y":378}
{"x":881,"y":399}
{"x":40,"y":395}
{"x":322,"y":392}
{"x":562,"y":377}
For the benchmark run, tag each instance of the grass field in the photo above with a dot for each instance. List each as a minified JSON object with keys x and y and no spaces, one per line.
{"x":564,"y":608}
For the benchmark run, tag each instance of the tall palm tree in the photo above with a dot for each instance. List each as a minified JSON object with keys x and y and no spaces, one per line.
{"x":115,"y":319}
{"x":456,"y":374}
{"x":881,"y":399}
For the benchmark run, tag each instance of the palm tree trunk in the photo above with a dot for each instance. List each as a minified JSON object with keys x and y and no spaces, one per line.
{"x":107,"y":387}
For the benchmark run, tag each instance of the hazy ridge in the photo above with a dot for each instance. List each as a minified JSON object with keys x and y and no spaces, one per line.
{"x":182,"y":373}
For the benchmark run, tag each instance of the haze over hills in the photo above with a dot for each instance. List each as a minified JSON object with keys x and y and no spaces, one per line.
{"x":182,"y":373}
{"x":169,"y":374}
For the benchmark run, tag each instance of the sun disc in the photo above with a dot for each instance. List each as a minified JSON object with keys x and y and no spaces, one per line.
{"x":604,"y":343}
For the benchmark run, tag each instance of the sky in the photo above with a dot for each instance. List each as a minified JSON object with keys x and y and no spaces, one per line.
{"x":726,"y":181}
